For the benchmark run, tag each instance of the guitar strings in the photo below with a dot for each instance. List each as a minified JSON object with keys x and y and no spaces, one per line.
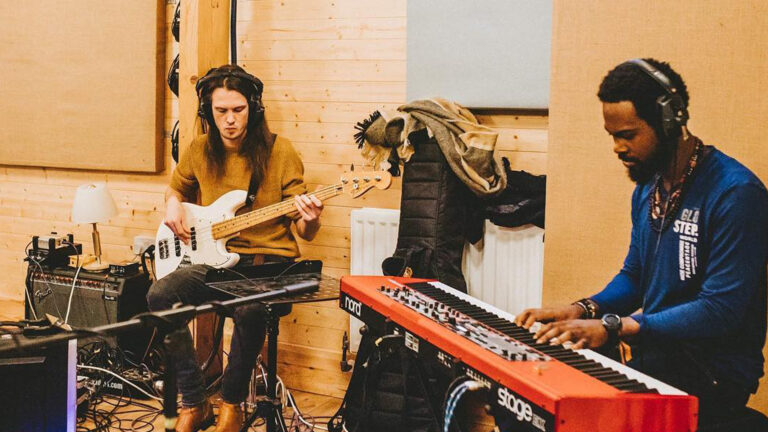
{"x":264,"y":211}
{"x":257,"y":216}
{"x":245,"y":220}
{"x":275,"y":208}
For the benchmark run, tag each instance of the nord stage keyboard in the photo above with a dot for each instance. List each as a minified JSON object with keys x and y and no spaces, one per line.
{"x":542,"y":387}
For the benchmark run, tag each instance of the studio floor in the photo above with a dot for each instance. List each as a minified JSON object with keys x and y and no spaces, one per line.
{"x":133,"y":418}
{"x":314,"y":407}
{"x":124,"y":415}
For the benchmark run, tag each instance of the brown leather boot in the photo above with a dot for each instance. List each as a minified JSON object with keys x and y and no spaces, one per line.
{"x":231,"y":417}
{"x":194,"y":418}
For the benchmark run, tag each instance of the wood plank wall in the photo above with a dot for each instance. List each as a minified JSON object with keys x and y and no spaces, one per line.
{"x":36,"y":201}
{"x":326,"y":64}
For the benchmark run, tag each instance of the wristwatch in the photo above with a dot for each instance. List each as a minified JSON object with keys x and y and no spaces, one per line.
{"x":612,"y":324}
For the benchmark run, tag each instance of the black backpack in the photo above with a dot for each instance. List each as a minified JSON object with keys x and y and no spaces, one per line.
{"x":390,"y":390}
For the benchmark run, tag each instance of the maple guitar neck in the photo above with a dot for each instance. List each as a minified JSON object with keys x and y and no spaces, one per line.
{"x":246,"y":220}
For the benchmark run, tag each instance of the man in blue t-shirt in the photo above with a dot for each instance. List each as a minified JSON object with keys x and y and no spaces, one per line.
{"x":691,"y":296}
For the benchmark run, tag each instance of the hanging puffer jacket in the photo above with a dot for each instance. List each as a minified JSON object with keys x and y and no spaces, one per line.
{"x":437,"y":214}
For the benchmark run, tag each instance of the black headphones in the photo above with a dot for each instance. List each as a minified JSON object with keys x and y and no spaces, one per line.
{"x":255,"y":107}
{"x":674,"y":113}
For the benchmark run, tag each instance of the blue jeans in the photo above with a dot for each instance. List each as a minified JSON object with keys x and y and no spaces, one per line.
{"x":187,"y":286}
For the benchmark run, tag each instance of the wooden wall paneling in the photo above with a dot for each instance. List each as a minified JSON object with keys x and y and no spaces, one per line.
{"x":325,"y":112}
{"x":203,"y":44}
{"x":324,"y":69}
{"x":82,"y":84}
{"x":266,"y":28}
{"x":295,"y":70}
{"x":37,"y":200}
{"x":314,"y":132}
{"x":719,"y":51}
{"x":385,"y":49}
{"x":325,"y":91}
{"x":320,"y":9}
{"x":522,"y":138}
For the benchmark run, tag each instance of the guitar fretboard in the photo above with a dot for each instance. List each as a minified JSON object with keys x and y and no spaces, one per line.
{"x":255,"y":217}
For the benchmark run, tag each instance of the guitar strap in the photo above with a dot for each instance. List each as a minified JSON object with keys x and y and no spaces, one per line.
{"x":253,"y":187}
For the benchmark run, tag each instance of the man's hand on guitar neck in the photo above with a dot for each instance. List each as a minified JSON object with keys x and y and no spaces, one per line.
{"x":310,"y":207}
{"x":175,"y":216}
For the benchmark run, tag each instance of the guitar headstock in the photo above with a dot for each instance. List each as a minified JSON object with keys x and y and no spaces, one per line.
{"x":357,"y":183}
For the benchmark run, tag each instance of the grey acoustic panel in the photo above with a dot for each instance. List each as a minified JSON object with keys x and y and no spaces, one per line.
{"x":480,"y":53}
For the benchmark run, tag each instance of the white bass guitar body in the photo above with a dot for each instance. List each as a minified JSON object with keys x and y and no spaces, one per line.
{"x":170,"y":251}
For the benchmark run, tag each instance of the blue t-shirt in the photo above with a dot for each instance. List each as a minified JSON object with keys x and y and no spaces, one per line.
{"x":701,"y":284}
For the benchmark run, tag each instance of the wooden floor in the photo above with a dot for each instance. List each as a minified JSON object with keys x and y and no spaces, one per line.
{"x":315,"y":409}
{"x":11,"y":310}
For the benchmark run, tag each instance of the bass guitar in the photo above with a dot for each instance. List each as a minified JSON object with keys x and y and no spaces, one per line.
{"x":213,"y":225}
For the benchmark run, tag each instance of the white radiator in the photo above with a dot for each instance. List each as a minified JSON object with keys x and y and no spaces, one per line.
{"x":373,"y":237}
{"x":373,"y":234}
{"x":505,"y":269}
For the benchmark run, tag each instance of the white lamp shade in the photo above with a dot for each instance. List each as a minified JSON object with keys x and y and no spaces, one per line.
{"x":93,"y":203}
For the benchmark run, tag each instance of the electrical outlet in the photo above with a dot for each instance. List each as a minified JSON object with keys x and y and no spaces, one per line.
{"x":141,"y":243}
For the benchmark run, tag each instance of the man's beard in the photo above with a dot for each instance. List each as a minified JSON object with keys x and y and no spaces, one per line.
{"x":643,"y":171}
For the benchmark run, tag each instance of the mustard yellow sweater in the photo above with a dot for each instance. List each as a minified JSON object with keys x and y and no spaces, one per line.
{"x":284,"y":178}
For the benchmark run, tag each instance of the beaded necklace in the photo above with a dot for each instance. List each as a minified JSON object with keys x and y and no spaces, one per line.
{"x":658,"y":209}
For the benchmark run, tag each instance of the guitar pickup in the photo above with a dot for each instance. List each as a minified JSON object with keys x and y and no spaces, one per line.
{"x":162,"y":248}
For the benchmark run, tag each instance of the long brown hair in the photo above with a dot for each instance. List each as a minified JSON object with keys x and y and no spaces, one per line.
{"x":258,"y":141}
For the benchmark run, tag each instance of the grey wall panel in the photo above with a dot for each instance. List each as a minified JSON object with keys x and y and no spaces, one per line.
{"x":480,"y":53}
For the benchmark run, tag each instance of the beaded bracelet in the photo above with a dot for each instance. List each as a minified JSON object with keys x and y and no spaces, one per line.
{"x":589,"y":306}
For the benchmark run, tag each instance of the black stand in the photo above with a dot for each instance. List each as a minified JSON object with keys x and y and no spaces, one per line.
{"x":269,"y":408}
{"x":170,"y":390}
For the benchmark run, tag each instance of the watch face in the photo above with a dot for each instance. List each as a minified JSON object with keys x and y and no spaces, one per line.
{"x":612,"y":320}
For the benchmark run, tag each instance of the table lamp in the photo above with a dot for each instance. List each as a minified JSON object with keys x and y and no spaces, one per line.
{"x":93,"y":204}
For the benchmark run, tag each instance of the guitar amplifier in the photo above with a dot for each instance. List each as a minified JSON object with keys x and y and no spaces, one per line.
{"x":98,"y":299}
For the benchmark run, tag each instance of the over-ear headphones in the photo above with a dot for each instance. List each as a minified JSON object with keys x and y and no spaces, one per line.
{"x":255,"y":107}
{"x":674,"y":113}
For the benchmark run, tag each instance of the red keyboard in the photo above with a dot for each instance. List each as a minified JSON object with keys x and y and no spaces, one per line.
{"x":542,"y":387}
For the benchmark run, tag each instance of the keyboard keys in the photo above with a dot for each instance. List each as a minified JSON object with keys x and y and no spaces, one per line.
{"x":505,"y":325}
